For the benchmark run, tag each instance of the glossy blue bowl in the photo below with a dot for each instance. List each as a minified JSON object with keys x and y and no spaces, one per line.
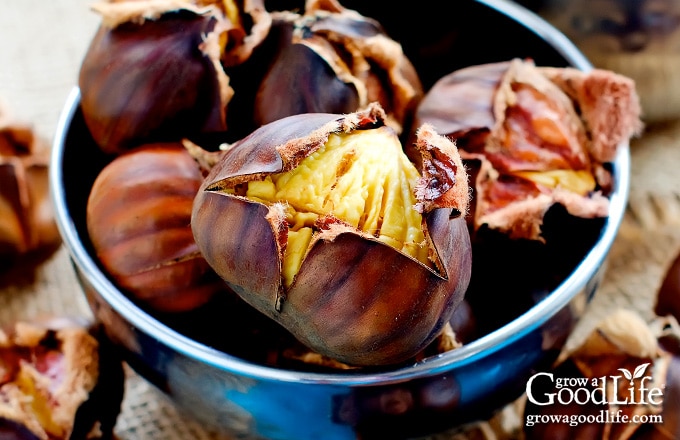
{"x":250,"y":400}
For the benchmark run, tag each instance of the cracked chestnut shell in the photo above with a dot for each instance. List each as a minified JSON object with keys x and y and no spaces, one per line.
{"x":537,"y":136}
{"x":319,"y":57}
{"x":27,"y":222}
{"x":668,"y":295}
{"x":320,"y":222}
{"x":59,"y":379}
{"x":334,"y":60}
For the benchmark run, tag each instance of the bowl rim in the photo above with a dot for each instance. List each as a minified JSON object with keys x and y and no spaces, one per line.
{"x":468,"y":353}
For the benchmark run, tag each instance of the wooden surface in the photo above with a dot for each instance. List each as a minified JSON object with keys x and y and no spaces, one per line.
{"x":43,"y":42}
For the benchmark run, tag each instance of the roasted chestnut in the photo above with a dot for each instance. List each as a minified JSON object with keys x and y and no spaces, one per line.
{"x":334,"y":60}
{"x":138,"y":219}
{"x":59,"y":379}
{"x":320,"y":222}
{"x":540,"y":136}
{"x":26,"y":216}
{"x":153,"y":72}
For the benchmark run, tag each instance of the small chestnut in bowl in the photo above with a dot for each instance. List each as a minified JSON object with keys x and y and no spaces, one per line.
{"x":321,"y":222}
{"x":138,"y":218}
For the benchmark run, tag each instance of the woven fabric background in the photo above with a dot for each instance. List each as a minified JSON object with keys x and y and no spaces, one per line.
{"x":42,"y":43}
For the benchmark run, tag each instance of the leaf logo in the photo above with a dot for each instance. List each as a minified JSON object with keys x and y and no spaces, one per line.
{"x":639,"y":372}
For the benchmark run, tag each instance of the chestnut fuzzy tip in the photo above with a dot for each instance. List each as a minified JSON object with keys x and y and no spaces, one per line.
{"x":444,"y":183}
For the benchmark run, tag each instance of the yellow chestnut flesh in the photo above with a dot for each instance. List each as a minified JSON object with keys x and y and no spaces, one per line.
{"x":360,"y":178}
{"x":577,"y":181}
{"x":320,"y":222}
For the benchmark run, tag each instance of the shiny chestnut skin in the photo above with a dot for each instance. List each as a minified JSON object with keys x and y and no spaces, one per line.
{"x":354,"y":298}
{"x":331,"y":59}
{"x":138,"y":219}
{"x":464,"y":323}
{"x":154,"y":80}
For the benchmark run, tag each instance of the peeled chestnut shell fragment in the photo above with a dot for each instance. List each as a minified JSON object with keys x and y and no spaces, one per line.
{"x":138,"y":219}
{"x":668,"y":294}
{"x":320,"y":222}
{"x":26,"y":216}
{"x":59,"y":379}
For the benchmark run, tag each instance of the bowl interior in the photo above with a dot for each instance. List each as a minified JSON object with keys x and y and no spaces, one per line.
{"x":444,"y":43}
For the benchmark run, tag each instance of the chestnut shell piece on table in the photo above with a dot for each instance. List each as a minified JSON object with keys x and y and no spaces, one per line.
{"x":668,"y":296}
{"x":61,"y":379}
{"x":27,"y":224}
{"x":248,"y":399}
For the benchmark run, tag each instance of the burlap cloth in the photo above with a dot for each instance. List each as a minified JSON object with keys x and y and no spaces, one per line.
{"x":41,"y":45}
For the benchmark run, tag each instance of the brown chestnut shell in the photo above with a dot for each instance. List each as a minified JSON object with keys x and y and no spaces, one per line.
{"x":354,"y":299}
{"x":138,"y":219}
{"x":61,"y":378}
{"x":667,"y":300}
{"x":149,"y":80}
{"x":522,"y":125}
{"x":331,"y":59}
{"x":27,"y":222}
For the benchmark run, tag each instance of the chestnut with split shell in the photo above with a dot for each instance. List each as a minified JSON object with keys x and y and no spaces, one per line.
{"x":335,"y":60}
{"x":322,"y":223}
{"x":538,"y":136}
